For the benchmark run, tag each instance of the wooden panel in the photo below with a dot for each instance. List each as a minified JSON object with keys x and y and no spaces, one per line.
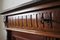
{"x":56,"y":23}
{"x":26,"y":36}
{"x":48,"y":20}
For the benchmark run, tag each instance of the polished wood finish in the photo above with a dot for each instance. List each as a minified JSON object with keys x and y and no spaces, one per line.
{"x":41,"y":22}
{"x":48,"y":22}
{"x":19,"y":35}
{"x":41,"y":33}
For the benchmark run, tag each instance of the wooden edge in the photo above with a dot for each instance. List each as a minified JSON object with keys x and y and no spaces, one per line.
{"x":25,"y":5}
{"x":49,"y":6}
{"x":35,"y":32}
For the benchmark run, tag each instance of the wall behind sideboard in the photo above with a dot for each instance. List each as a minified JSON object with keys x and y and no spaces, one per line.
{"x":3,"y":33}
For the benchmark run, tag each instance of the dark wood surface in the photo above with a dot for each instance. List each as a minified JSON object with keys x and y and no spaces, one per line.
{"x":49,"y":22}
{"x":41,"y":22}
{"x":34,"y":32}
{"x":16,"y":35}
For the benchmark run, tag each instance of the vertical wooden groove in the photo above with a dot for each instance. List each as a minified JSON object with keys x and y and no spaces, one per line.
{"x":22,"y":21}
{"x":42,"y":19}
{"x":46,"y":38}
{"x":31,"y":19}
{"x":12,"y":22}
{"x":51,"y":38}
{"x":18,"y":21}
{"x":15,"y":21}
{"x":51,"y":19}
{"x":26,"y":21}
{"x":37,"y":19}
{"x":9,"y":22}
{"x":54,"y":38}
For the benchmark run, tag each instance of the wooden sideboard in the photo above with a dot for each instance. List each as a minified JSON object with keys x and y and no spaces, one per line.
{"x":35,"y":22}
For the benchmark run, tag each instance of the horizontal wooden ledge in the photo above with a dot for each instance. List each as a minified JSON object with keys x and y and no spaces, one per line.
{"x":49,"y":34}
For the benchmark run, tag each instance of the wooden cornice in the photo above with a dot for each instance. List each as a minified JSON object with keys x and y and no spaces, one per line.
{"x":26,"y":5}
